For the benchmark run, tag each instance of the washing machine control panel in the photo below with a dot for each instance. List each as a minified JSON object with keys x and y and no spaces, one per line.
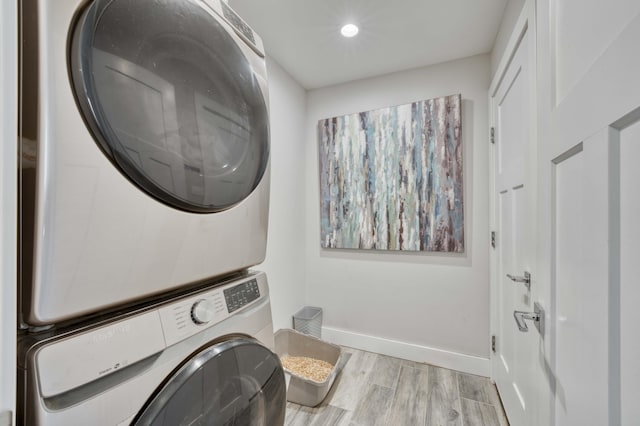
{"x":71,"y":361}
{"x":191,"y":315}
{"x":241,"y":295}
{"x":203,"y":311}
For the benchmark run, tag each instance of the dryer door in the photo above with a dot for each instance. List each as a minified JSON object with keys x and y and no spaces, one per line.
{"x":170,"y":95}
{"x":235,"y":382}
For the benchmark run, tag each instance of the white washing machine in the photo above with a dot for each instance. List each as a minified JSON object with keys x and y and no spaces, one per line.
{"x":144,"y":151}
{"x":202,"y":359}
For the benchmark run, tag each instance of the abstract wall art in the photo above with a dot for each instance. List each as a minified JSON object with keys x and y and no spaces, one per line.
{"x":392,"y":178}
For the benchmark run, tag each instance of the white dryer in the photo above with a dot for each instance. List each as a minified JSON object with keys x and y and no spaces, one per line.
{"x":202,"y":359}
{"x":144,"y":151}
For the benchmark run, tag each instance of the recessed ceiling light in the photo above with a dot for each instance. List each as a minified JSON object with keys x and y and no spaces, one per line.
{"x":349,"y":30}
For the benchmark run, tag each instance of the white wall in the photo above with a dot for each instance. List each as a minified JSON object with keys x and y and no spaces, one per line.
{"x":511,"y":13}
{"x":426,"y":307}
{"x":284,"y":263}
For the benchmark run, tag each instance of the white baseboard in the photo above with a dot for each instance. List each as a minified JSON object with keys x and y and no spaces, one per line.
{"x":409,"y":351}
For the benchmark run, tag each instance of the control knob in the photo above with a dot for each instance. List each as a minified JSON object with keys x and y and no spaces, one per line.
{"x":202,"y":311}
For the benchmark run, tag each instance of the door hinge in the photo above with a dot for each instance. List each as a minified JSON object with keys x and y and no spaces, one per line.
{"x":493,"y":135}
{"x":493,"y":239}
{"x":493,"y":343}
{"x":6,"y":418}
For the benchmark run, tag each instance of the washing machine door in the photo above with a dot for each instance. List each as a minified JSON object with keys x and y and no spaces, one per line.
{"x":235,"y":382}
{"x":171,"y":95}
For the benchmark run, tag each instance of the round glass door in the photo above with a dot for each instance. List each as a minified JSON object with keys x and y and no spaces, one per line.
{"x":172,"y":100}
{"x":237,"y":382}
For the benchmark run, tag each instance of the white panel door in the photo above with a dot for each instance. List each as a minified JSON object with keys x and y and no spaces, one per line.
{"x":580,"y":254}
{"x":594,"y":341}
{"x":514,"y":255}
{"x":588,"y":209}
{"x":629,"y":288}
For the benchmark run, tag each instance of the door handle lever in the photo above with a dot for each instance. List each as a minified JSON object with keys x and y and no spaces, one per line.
{"x":537,"y":317}
{"x":522,"y":316}
{"x":526,"y":280}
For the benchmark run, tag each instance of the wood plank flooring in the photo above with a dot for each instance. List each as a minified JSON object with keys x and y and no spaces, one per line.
{"x":375,"y":389}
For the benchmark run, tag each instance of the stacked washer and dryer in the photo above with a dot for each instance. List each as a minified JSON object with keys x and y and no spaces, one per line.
{"x":144,"y":201}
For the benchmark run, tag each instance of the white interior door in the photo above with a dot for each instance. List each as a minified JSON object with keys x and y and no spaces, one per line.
{"x":580,"y":313}
{"x":594,"y":347}
{"x":589,"y":205}
{"x":629,"y":295}
{"x":514,"y":224}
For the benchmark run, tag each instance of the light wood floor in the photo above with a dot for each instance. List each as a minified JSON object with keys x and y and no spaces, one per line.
{"x":375,"y":389}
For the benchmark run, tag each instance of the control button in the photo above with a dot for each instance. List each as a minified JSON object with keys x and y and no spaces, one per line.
{"x":202,"y":311}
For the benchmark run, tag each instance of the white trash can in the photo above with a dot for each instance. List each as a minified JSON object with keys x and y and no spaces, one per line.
{"x":308,"y":320}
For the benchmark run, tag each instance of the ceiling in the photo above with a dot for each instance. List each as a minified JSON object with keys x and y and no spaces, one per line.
{"x":303,"y":36}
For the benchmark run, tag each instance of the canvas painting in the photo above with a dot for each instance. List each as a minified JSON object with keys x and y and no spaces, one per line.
{"x":392,"y":178}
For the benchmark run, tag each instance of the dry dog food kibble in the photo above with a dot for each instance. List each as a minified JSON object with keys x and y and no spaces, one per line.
{"x":308,"y":368}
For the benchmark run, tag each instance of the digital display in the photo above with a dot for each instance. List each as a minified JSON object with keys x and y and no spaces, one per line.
{"x":241,"y":294}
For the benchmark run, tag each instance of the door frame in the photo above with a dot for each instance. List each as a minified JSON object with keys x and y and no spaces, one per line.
{"x":8,"y":213}
{"x":525,"y":23}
